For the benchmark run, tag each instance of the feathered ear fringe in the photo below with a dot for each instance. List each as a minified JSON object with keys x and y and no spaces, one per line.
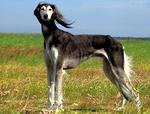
{"x":36,"y":12}
{"x":60,"y":19}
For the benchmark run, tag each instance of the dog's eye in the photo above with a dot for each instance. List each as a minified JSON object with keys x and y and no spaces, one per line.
{"x":50,"y":9}
{"x":42,"y":8}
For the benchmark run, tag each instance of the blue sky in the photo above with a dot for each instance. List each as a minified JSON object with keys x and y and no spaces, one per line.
{"x":113,"y":17}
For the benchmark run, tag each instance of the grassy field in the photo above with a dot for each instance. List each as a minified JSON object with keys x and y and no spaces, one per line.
{"x":23,"y":80}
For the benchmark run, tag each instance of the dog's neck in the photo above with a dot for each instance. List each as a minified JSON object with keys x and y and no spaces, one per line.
{"x":48,"y":29}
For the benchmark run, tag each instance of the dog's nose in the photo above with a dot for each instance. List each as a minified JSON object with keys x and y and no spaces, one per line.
{"x":45,"y":16}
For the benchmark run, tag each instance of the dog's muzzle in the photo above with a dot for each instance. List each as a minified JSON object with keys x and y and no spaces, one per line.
{"x":45,"y":16}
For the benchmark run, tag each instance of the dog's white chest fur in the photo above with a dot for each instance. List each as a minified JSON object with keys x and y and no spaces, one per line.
{"x":51,"y":52}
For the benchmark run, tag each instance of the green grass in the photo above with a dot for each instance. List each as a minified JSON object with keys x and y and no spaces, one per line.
{"x":21,"y":40}
{"x":139,"y":50}
{"x":23,"y":80}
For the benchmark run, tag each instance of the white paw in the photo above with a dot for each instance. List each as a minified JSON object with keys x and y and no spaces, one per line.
{"x":47,"y":111}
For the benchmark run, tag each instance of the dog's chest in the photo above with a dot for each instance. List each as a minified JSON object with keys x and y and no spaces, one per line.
{"x":51,"y":52}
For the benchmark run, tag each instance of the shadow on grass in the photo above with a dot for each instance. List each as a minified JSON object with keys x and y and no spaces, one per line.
{"x":95,"y":110}
{"x":76,"y":111}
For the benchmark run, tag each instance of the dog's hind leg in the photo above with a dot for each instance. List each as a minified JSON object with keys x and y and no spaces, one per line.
{"x":118,"y":76}
{"x":126,"y":88}
{"x":110,"y":75}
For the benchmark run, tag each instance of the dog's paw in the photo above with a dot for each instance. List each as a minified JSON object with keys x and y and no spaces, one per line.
{"x":48,"y":111}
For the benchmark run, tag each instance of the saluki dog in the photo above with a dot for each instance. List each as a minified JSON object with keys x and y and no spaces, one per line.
{"x":64,"y":51}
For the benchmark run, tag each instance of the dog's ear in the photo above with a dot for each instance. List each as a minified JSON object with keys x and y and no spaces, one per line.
{"x":36,"y":11}
{"x":59,"y":17}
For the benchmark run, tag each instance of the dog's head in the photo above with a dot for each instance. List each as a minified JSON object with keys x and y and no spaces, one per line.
{"x":47,"y":13}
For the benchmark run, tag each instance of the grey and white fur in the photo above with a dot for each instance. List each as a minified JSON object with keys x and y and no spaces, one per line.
{"x":64,"y":51}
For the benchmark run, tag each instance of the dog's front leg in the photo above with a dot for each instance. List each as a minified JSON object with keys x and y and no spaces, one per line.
{"x":51,"y":86}
{"x":59,"y":89}
{"x":51,"y":60}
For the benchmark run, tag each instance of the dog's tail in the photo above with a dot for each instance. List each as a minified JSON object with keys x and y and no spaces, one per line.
{"x":128,"y":65}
